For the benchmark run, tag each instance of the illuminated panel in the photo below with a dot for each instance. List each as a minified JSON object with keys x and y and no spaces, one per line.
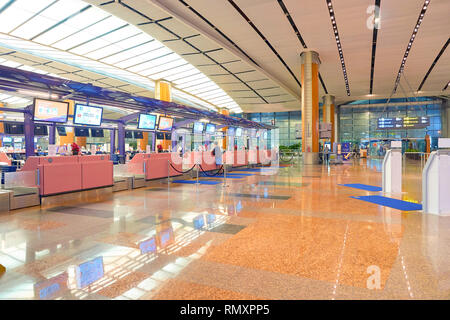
{"x":89,"y":272}
{"x":148,"y":246}
{"x":51,"y":288}
{"x":199,"y":222}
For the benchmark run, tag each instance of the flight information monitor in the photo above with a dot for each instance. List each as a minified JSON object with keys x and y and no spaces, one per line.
{"x":199,"y":127}
{"x":238,"y":132}
{"x":165,"y":124}
{"x":51,"y":111}
{"x":231,"y":131}
{"x":62,"y":131}
{"x":210,"y":128}
{"x":147,"y":121}
{"x":403,"y":123}
{"x":87,"y":115}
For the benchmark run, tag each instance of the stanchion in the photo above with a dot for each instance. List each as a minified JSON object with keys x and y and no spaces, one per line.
{"x":197,"y":183}
{"x":168,"y":173}
{"x":225,"y":176}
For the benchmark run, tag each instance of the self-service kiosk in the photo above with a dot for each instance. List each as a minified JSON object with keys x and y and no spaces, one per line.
{"x":392,"y":169}
{"x":436,"y":180}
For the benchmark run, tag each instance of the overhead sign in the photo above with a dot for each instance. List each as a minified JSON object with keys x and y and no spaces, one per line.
{"x":403,"y":123}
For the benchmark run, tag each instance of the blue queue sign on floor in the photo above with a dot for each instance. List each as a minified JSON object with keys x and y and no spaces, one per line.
{"x":89,"y":272}
{"x":148,"y":246}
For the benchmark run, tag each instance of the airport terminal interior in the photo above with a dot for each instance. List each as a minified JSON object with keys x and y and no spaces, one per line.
{"x":224,"y":149}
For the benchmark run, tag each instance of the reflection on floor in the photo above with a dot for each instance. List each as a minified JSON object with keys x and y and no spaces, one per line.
{"x":287,"y":233}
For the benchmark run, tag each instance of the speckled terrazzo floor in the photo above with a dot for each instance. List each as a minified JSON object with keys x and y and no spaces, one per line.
{"x":290,"y":233}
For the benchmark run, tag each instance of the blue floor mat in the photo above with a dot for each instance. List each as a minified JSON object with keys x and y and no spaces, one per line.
{"x":254,"y":170}
{"x":361,"y":186}
{"x":221,"y":176}
{"x":392,"y":203}
{"x":212,"y":182}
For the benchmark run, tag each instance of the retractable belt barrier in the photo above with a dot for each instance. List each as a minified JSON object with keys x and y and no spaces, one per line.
{"x":182,"y":172}
{"x":213,"y":175}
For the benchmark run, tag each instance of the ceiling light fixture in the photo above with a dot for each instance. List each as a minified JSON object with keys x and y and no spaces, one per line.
{"x":338,"y":43}
{"x":408,"y":48}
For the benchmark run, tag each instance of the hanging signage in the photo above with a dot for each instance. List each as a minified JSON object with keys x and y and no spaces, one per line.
{"x":403,"y":123}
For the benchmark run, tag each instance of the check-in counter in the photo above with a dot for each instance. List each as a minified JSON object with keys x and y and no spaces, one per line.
{"x":62,"y":174}
{"x":252,"y":156}
{"x":157,"y":166}
{"x":208,"y":161}
{"x":97,"y":172}
{"x":240,"y":158}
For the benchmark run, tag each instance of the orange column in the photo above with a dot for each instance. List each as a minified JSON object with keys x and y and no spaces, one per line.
{"x":163,"y":92}
{"x":70,"y":135}
{"x":143,"y":142}
{"x":310,"y":106}
{"x":224,"y":111}
{"x":81,"y":141}
{"x":328,"y":114}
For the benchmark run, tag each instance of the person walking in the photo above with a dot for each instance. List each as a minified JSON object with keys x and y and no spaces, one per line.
{"x":326,"y":151}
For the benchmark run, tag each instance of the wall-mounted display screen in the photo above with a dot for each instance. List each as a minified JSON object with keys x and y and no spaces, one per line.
{"x":147,"y":121}
{"x":265,"y":135}
{"x":7,"y":140}
{"x":231,"y":131}
{"x":168,"y":136}
{"x":165,"y":123}
{"x":87,"y":115}
{"x":40,"y":130}
{"x":160,"y":135}
{"x":52,"y":111}
{"x":138,"y":134}
{"x":61,"y":131}
{"x":129,"y":134}
{"x":238,"y":132}
{"x":17,"y":139}
{"x":97,"y":133}
{"x":13,"y":128}
{"x":81,"y":132}
{"x":210,"y":128}
{"x":199,"y":127}
{"x":403,"y":123}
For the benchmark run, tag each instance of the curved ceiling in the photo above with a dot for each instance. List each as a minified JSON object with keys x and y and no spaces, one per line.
{"x":239,"y":54}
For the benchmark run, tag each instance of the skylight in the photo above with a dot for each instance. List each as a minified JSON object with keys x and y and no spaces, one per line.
{"x":84,"y":36}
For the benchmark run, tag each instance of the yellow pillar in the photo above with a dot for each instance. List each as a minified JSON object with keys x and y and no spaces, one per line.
{"x":163,"y":92}
{"x":81,"y":141}
{"x":328,"y":114}
{"x":143,"y":142}
{"x":310,"y":106}
{"x":226,"y":112}
{"x":70,"y":135}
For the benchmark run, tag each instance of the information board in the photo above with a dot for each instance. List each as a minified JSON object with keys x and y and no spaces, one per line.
{"x":147,"y":121}
{"x":51,"y":111}
{"x":403,"y":123}
{"x":87,"y":115}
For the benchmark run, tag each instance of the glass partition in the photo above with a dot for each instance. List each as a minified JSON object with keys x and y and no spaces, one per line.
{"x":21,"y":179}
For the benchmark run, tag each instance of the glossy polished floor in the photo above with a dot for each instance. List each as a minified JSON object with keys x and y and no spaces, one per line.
{"x":290,"y":233}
